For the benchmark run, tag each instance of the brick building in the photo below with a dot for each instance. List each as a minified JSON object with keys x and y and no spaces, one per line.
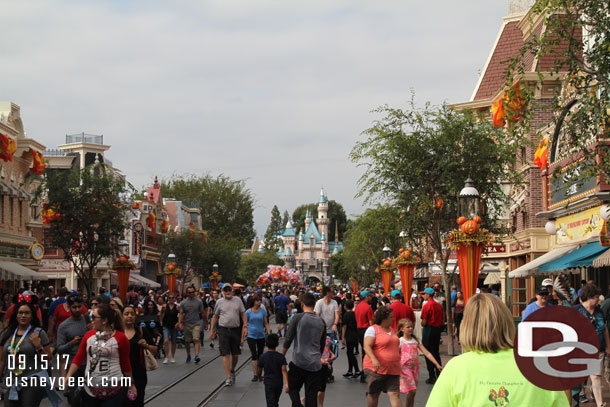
{"x":20,"y":222}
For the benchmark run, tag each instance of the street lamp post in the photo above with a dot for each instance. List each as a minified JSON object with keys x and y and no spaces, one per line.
{"x":123,"y":268}
{"x":171,"y":271}
{"x":469,"y":240}
{"x":215,"y":277}
{"x":387,"y":270}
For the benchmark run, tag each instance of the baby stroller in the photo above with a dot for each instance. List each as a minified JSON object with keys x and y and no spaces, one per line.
{"x":180,"y":339}
{"x":334,"y":348}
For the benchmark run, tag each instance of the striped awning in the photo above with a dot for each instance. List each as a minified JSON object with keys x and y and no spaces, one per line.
{"x":603,"y":260}
{"x":19,"y":272}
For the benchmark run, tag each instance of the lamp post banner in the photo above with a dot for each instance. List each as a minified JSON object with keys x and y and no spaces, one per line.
{"x":406,"y":279}
{"x":469,"y":261}
{"x":171,"y":283}
{"x":386,"y":279}
{"x":123,"y":279}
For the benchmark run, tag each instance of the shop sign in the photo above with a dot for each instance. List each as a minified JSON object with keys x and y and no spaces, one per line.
{"x":517,"y":246}
{"x":564,"y":187}
{"x":496,"y":248}
{"x":579,"y":226}
{"x":14,"y":250}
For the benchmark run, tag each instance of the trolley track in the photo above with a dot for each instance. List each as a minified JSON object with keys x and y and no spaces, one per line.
{"x":211,"y":395}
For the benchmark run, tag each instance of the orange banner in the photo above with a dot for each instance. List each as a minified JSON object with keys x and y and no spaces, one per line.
{"x":406,"y":279}
{"x":469,"y":261}
{"x":171,"y":283}
{"x":123,"y":278}
{"x":386,"y":279}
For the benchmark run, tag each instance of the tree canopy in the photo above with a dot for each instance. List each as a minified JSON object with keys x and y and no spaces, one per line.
{"x":86,"y":216}
{"x":227,"y":213}
{"x":364,"y":241}
{"x":273,"y":241}
{"x":254,"y":264}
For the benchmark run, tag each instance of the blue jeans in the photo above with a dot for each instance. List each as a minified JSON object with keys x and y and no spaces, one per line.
{"x":170,"y":333}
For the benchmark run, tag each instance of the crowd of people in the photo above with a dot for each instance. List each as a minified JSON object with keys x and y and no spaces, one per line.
{"x":101,"y":337}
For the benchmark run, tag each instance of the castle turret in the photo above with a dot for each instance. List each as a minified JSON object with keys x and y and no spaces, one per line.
{"x":322,"y":220}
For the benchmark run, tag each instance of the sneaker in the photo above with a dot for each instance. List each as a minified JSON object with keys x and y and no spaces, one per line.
{"x":583,"y":399}
{"x":211,"y":344}
{"x":197,"y":359}
{"x":229,"y":382}
{"x":165,"y":361}
{"x":173,"y":360}
{"x":255,"y":378}
{"x":188,"y":359}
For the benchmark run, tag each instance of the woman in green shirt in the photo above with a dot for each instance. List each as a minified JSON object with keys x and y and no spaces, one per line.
{"x":487,"y":374}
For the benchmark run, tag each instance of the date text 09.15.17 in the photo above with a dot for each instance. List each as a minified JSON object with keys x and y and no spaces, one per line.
{"x":42,"y":361}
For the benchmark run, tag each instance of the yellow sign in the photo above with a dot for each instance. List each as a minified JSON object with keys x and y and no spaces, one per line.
{"x":579,"y":226}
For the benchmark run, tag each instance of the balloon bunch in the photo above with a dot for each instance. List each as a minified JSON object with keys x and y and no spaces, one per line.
{"x":279,"y":274}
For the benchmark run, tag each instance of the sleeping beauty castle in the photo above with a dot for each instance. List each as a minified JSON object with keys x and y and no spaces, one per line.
{"x":309,"y":251}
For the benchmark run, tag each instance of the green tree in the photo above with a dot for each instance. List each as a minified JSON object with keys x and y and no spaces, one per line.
{"x":254,"y":264}
{"x":227,"y":208}
{"x":190,"y":249}
{"x":336,"y":214}
{"x":418,"y":160}
{"x":92,"y":209}
{"x":285,"y":219}
{"x":574,"y":42}
{"x":273,"y":241}
{"x":338,"y":267}
{"x":364,"y":241}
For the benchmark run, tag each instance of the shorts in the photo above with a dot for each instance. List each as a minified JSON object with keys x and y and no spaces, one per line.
{"x":170,"y":333}
{"x":229,"y":341}
{"x":381,"y":382}
{"x":281,"y":316}
{"x":191,"y":333}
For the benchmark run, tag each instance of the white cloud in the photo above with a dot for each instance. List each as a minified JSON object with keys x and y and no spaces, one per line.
{"x":275,"y":91}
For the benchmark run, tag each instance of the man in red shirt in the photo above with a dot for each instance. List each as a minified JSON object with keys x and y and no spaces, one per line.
{"x":364,"y":319}
{"x":400,"y":309}
{"x":432,"y":322}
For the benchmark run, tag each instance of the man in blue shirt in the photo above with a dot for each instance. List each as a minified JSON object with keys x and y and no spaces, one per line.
{"x":542,"y":296}
{"x":281,"y":311}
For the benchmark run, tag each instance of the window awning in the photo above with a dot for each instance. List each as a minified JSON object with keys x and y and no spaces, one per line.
{"x":20,"y":272}
{"x":143,"y":281}
{"x":533,"y":266}
{"x":582,"y":257}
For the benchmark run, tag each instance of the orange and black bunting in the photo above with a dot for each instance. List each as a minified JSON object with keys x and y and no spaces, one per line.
{"x":38,"y":164}
{"x":7,"y":147}
{"x":541,"y":157}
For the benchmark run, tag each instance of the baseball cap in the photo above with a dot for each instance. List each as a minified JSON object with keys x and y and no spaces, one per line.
{"x":547,"y":281}
{"x":429,"y":291}
{"x":365,"y":293}
{"x":395,"y":293}
{"x":542,"y":290}
{"x":227,"y":287}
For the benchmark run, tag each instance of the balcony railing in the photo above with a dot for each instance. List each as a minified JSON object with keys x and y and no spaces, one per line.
{"x":84,"y":138}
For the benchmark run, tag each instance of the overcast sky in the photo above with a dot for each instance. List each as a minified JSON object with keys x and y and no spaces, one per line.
{"x":274,"y":92}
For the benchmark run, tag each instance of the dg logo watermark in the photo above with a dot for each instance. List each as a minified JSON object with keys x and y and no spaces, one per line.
{"x":557,"y":348}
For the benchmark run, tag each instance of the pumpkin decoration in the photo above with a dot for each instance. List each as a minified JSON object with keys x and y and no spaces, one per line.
{"x":123,"y":259}
{"x":470,"y":227}
{"x":477,"y":219}
{"x":461,"y":220}
{"x":401,"y":250}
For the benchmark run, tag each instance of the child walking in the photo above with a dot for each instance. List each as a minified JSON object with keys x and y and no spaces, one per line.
{"x":274,"y":366}
{"x":327,"y":359}
{"x":409,"y":359}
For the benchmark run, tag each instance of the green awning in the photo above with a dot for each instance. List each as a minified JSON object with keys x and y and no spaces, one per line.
{"x":581,"y":257}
